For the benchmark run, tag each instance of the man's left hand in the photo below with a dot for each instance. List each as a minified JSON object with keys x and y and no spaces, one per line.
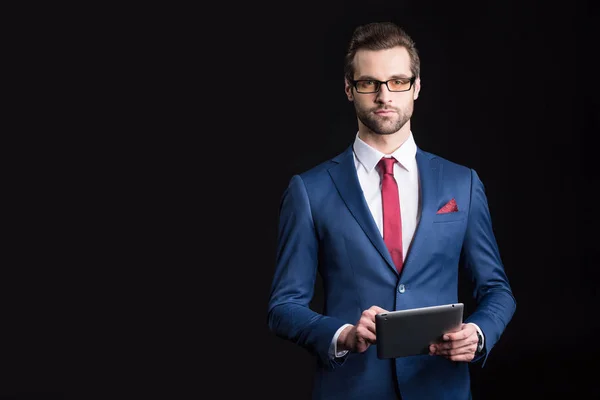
{"x":457,"y":346}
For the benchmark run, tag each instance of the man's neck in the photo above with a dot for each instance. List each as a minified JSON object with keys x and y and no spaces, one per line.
{"x":386,"y":144}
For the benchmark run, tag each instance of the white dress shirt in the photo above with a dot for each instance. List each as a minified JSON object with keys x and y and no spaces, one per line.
{"x":406,"y":174}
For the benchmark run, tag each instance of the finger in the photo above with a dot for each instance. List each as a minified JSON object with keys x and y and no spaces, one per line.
{"x":456,"y":344}
{"x":362,"y":346}
{"x":370,"y":313}
{"x":367,"y":318}
{"x":377,"y":309}
{"x":460,"y":335}
{"x":465,"y":331}
{"x":471,"y":348}
{"x":366,"y":333}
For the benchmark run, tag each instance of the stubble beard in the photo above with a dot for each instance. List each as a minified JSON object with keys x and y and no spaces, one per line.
{"x":384,"y":125}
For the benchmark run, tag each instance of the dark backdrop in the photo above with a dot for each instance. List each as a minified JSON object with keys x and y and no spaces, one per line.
{"x":141,"y":270}
{"x":509,"y":89}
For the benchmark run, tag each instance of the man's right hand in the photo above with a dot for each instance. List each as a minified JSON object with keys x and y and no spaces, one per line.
{"x":359,"y":337}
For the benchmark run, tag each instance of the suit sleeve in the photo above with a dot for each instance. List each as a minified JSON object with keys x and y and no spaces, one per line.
{"x":292,"y":288}
{"x":481,"y":258}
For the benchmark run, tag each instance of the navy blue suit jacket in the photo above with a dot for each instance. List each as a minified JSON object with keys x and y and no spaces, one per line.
{"x":326,"y":227}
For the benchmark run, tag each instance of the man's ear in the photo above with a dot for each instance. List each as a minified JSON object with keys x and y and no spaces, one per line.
{"x":348,"y":90}
{"x":417,"y":88}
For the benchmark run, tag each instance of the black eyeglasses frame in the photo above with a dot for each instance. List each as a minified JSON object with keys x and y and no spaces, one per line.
{"x":379,"y":83}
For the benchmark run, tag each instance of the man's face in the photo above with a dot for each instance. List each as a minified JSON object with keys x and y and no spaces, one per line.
{"x":383,"y":112}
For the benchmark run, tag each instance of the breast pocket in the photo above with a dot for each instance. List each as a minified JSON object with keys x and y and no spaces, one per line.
{"x":446,"y":237}
{"x":449,"y":217}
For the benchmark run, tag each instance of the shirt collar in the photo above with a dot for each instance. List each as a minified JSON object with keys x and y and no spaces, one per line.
{"x":369,"y":157}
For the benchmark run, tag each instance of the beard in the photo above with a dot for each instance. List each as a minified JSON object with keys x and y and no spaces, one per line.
{"x":384,"y":125}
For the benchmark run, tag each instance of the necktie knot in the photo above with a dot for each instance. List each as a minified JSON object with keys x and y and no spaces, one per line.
{"x":387,"y":165}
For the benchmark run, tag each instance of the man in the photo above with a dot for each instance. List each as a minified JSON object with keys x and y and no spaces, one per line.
{"x":338,"y":220}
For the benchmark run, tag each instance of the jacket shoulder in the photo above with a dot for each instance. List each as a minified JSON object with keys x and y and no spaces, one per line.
{"x":448,"y":165}
{"x":322,"y":168}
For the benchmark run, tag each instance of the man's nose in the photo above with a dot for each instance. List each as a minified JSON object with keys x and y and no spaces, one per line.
{"x":383,"y":95}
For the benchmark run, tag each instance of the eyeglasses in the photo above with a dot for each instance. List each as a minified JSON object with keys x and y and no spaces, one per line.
{"x":393,"y":85}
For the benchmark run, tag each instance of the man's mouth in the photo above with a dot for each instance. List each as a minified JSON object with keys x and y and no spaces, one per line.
{"x":384,"y":111}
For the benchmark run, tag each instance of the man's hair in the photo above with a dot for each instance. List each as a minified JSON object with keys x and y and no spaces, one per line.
{"x":380,"y":36}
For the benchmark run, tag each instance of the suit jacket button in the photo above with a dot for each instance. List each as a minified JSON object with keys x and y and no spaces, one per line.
{"x":401,"y":288}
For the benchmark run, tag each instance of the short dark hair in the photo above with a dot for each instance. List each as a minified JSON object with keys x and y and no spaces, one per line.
{"x":380,"y":36}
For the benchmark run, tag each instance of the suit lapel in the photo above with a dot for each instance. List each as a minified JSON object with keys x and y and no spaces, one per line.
{"x":346,"y":181}
{"x":430,"y":171}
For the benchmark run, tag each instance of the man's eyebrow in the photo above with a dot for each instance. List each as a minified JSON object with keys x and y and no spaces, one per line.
{"x":400,"y":76}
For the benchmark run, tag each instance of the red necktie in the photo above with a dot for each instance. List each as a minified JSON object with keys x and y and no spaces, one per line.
{"x":392,"y":220}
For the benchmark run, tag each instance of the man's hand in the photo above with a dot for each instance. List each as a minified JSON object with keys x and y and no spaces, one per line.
{"x":359,"y":337}
{"x":457,"y":346}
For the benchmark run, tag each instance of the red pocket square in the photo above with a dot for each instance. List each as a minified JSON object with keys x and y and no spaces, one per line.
{"x":449,"y":207}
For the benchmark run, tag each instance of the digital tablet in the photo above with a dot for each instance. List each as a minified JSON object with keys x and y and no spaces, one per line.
{"x":410,"y":332}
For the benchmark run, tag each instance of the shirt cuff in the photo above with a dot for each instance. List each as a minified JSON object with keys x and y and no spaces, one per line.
{"x":333,"y":353}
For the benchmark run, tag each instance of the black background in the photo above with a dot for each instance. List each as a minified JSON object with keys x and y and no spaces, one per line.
{"x":509,"y":89}
{"x":153,"y":280}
